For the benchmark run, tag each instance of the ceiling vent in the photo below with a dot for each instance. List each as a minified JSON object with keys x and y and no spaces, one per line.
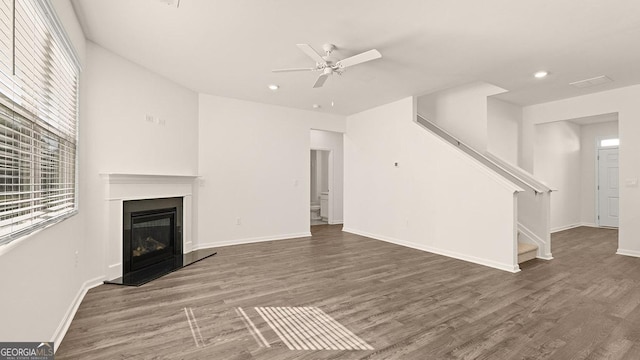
{"x":598,"y":80}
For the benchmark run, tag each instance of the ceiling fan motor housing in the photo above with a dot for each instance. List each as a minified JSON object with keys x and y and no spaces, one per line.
{"x":328,"y":48}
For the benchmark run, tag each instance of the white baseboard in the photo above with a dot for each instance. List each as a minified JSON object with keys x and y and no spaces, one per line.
{"x":114,"y":271}
{"x":593,"y":225}
{"x":565,"y":227}
{"x":61,"y":331}
{"x":634,"y":253}
{"x":251,"y":240}
{"x":187,"y":246}
{"x":573,"y":226}
{"x":336,"y":222}
{"x":448,"y":253}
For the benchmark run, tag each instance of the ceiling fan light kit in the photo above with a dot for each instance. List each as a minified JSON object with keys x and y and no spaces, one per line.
{"x":327,"y":66}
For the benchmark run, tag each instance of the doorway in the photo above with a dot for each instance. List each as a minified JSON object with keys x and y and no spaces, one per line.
{"x":607,"y":183}
{"x":326,"y":187}
{"x":320,"y":175}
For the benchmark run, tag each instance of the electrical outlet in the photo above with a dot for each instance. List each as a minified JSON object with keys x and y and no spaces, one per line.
{"x":77,"y":258}
{"x":238,"y":221}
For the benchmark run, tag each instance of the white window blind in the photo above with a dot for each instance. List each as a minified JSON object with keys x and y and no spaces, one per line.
{"x":38,"y":119}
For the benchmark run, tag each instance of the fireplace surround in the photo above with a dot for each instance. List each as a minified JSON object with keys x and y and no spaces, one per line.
{"x":172,"y":191}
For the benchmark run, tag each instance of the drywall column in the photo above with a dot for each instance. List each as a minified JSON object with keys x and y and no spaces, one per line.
{"x":557,"y":162}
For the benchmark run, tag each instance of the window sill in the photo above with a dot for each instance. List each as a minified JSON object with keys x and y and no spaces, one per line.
{"x":23,"y":237}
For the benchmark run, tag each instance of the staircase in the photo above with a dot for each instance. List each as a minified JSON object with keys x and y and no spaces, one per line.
{"x":533,"y":236}
{"x":526,"y":252}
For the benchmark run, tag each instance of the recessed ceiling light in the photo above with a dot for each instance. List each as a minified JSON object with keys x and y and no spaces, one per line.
{"x":274,"y":87}
{"x":316,"y":106}
{"x":540,"y":74}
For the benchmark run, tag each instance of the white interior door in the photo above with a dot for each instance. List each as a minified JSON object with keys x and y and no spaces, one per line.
{"x":608,"y":197}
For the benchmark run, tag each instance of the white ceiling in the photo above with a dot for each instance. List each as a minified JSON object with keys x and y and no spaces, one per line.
{"x":228,"y":47}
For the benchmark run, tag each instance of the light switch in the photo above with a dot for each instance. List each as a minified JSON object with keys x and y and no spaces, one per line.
{"x":631,"y":182}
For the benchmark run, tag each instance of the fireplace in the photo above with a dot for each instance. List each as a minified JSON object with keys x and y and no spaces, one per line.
{"x":148,"y":227}
{"x":151,"y":238}
{"x":152,"y":241}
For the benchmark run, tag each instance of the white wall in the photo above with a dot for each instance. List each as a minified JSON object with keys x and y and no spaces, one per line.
{"x":589,"y":136}
{"x":319,"y":173}
{"x":39,"y":276}
{"x":120,"y":95}
{"x":333,"y":141}
{"x":438,"y":199}
{"x":461,"y":111}
{"x":623,"y":101}
{"x":503,"y":129}
{"x":315,"y":192}
{"x":557,"y":159}
{"x":323,"y":157}
{"x":117,"y":137}
{"x":254,"y":160}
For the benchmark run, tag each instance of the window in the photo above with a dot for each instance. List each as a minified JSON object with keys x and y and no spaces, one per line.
{"x":609,"y":143}
{"x":38,"y":119}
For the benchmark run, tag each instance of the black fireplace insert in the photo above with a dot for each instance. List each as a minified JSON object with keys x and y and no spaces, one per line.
{"x":152,"y":240}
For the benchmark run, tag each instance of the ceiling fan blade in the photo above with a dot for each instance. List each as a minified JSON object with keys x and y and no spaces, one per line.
{"x":294,"y":69}
{"x":320,"y":81}
{"x":307,"y":49}
{"x":358,"y":59}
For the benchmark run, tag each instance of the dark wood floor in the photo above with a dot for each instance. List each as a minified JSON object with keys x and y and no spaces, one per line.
{"x":405,"y":303}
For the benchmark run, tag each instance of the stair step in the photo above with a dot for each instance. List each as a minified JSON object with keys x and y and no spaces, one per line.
{"x":526,"y":252}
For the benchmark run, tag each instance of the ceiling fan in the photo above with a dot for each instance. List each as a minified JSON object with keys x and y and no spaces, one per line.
{"x":328,"y":66}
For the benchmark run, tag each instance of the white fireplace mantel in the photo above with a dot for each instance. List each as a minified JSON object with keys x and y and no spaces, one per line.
{"x":119,"y":187}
